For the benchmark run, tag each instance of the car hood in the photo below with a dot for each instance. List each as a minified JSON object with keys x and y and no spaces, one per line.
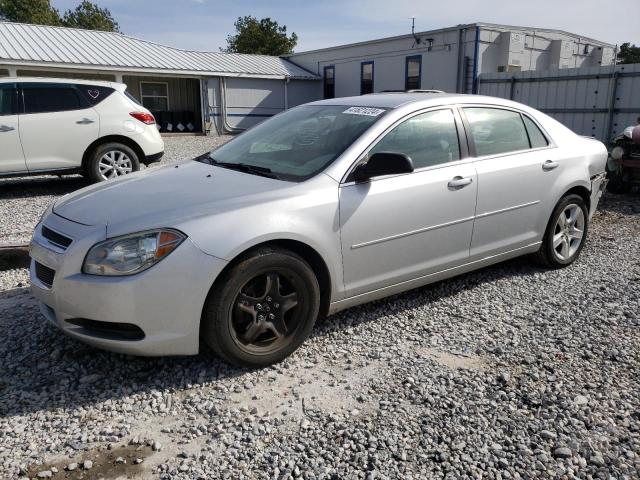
{"x":167,"y":196}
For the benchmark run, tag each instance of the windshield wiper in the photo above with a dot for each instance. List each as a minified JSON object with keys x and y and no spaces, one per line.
{"x":245,"y":167}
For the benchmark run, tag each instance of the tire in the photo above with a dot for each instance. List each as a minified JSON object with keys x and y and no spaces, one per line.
{"x":250,"y":319}
{"x":122,"y":159}
{"x":560,"y":244}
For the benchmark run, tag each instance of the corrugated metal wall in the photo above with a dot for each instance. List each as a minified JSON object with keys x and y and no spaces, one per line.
{"x":250,"y":101}
{"x":598,"y":102}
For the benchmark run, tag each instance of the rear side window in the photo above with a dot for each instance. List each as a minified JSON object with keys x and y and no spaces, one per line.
{"x":94,"y":94}
{"x":536,"y":137}
{"x":7,"y":95}
{"x":43,"y":98}
{"x":429,"y":139}
{"x":495,"y":131}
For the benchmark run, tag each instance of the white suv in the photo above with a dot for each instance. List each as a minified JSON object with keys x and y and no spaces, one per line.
{"x":73,"y":126}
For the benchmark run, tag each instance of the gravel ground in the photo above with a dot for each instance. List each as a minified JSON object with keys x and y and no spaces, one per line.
{"x":509,"y":372}
{"x":24,"y":199}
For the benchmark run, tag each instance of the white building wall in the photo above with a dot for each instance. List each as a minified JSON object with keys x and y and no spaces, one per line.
{"x":443,"y":56}
{"x":439,"y":61}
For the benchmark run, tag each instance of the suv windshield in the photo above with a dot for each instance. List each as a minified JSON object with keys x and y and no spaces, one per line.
{"x":297,"y":144}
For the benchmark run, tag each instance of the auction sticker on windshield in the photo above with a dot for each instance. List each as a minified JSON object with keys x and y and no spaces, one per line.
{"x":370,"y":112}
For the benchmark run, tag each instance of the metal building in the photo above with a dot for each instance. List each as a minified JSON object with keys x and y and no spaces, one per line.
{"x":448,"y":59}
{"x":198,"y":92}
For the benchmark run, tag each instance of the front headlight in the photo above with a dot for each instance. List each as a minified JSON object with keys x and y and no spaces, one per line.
{"x":131,"y":254}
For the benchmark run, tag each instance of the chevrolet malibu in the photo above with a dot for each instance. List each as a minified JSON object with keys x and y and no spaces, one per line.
{"x":323,"y":207}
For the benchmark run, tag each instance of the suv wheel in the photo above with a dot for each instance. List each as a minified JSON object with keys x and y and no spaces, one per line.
{"x":112,"y":160}
{"x":566,"y":233}
{"x":262,"y":309}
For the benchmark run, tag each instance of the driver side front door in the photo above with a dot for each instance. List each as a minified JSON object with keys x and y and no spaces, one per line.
{"x":395,"y":229}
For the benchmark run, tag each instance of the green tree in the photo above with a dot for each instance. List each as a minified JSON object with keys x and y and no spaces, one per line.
{"x":628,"y":53}
{"x":91,"y":17}
{"x":39,"y":12}
{"x":263,"y":37}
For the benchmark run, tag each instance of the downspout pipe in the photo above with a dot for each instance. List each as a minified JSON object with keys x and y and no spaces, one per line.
{"x":460,"y":77}
{"x":476,"y":50}
{"x":286,"y":92}
{"x":223,"y":109}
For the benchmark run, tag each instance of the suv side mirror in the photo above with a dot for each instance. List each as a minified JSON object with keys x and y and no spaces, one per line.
{"x":383,"y":163}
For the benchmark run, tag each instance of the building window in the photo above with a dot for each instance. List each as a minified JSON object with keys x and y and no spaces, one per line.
{"x":413,"y":73}
{"x":330,"y":82}
{"x":366,"y":78}
{"x":155,"y":96}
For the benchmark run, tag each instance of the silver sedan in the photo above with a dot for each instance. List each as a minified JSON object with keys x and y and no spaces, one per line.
{"x":323,"y":207}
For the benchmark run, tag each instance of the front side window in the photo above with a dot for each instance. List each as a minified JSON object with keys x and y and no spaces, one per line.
{"x":7,"y":94}
{"x":299,"y":143}
{"x":413,"y":72}
{"x":155,"y":96}
{"x":366,"y":78}
{"x":495,"y":131}
{"x":428,"y":139}
{"x":329,"y":82}
{"x":46,"y":98}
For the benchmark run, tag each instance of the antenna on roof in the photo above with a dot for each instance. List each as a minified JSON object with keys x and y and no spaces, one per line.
{"x":416,"y":39}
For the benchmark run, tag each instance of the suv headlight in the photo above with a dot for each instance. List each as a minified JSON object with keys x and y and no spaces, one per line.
{"x":131,"y":254}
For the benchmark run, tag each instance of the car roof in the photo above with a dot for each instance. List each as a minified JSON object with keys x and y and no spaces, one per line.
{"x":60,"y":80}
{"x":395,"y":100}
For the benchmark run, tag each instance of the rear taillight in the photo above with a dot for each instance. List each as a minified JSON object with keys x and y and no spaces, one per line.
{"x":144,"y":117}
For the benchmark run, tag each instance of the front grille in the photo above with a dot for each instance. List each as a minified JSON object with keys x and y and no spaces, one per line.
{"x":56,"y":238}
{"x":45,"y":274}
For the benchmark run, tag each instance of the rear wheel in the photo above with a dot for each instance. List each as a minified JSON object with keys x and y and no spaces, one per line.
{"x":566,"y":233}
{"x":262,"y":309}
{"x":112,"y":160}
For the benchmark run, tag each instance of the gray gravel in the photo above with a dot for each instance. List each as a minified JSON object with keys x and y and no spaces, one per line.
{"x":510,"y":372}
{"x":24,"y":199}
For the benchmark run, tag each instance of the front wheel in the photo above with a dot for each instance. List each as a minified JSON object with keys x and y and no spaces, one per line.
{"x":111,"y":160}
{"x":262,"y":309}
{"x":566,"y":233}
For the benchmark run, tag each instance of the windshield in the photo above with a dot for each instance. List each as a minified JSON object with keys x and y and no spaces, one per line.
{"x":298,"y":143}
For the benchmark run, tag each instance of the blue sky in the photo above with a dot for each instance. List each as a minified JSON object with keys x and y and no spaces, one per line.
{"x":204,"y":24}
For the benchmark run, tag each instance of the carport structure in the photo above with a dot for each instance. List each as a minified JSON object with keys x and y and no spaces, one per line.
{"x":188,"y":91}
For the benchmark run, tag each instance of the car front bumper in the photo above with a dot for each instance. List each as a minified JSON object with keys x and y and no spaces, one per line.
{"x":164,"y":302}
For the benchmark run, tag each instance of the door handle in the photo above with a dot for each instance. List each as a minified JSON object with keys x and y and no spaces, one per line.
{"x":459,"y":182}
{"x":85,"y":121}
{"x":550,"y":165}
{"x":6,"y":128}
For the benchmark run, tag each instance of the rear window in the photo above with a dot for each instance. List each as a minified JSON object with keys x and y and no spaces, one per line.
{"x":94,"y":93}
{"x":43,"y":98}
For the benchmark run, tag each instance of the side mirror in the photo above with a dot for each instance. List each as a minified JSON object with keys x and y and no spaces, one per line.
{"x":383,"y":163}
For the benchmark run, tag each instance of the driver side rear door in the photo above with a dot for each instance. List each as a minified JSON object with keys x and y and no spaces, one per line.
{"x":401,"y":227}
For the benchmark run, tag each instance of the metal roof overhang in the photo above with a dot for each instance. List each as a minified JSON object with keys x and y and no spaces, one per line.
{"x":148,"y":71}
